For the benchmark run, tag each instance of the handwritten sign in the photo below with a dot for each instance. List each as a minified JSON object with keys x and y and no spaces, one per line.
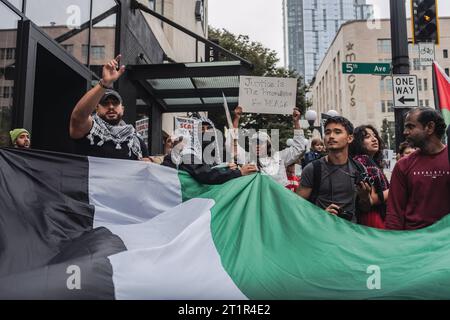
{"x":267,"y":95}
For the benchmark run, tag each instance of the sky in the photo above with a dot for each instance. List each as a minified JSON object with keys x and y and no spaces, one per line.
{"x":262,"y":20}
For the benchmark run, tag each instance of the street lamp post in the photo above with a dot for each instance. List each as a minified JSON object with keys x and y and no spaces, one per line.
{"x":311,"y":117}
{"x":400,"y":58}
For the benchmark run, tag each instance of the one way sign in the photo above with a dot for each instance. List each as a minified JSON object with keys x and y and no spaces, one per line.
{"x":405,"y":91}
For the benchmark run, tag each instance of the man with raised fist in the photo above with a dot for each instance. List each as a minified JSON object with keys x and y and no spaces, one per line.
{"x":104,"y":133}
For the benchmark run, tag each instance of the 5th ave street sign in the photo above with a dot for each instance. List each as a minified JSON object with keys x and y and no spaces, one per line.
{"x":366,"y":68}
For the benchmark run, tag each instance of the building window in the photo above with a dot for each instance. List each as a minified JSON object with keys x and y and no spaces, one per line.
{"x":390,"y":106}
{"x":84,"y":50}
{"x":427,"y":103}
{"x":6,"y":92}
{"x":10,"y":53}
{"x":383,"y":106}
{"x":447,"y":71}
{"x":425,"y":84}
{"x":419,"y":84}
{"x":159,"y":7}
{"x":151,"y":4}
{"x":420,"y":103}
{"x":7,"y":53}
{"x":68,"y":48}
{"x":416,"y":64}
{"x":389,"y":85}
{"x":9,"y":21}
{"x":413,"y":48}
{"x":97,"y":52}
{"x":384,"y":45}
{"x":445,"y":52}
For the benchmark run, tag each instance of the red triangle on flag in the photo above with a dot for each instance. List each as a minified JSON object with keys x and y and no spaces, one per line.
{"x":442,"y":91}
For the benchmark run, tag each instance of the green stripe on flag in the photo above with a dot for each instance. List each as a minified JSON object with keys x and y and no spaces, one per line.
{"x":446,"y":115}
{"x":275,"y":245}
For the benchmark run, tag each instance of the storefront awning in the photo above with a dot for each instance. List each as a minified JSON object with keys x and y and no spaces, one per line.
{"x":189,"y":87}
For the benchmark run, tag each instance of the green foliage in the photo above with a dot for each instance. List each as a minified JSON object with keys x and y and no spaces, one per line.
{"x":5,"y":126}
{"x":265,"y":65}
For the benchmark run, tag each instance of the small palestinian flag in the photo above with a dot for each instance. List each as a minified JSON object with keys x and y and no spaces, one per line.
{"x":442,"y":91}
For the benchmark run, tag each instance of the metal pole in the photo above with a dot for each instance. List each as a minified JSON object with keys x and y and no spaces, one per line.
{"x":400,"y":58}
{"x":24,"y":7}
{"x":88,"y":62}
{"x":137,"y":5}
{"x":196,"y":50}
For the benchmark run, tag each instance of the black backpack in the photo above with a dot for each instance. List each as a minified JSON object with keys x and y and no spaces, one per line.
{"x":309,"y":157}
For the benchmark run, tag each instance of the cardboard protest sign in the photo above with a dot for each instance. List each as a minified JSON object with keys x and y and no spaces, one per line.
{"x":142,"y":128}
{"x":267,"y":95}
{"x":187,"y":127}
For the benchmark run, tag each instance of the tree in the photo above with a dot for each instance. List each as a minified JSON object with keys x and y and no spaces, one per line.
{"x":265,"y":65}
{"x":5,"y":126}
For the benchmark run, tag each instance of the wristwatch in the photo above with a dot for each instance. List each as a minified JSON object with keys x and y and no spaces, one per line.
{"x":103,"y":86}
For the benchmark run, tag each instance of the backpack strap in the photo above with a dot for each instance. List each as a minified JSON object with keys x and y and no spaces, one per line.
{"x":358,"y":165}
{"x":317,"y":177}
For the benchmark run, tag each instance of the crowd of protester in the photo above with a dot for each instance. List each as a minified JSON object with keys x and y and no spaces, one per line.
{"x":343,"y":174}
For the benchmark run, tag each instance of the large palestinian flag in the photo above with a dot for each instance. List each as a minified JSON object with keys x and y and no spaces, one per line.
{"x":441,"y":84}
{"x":133,"y":230}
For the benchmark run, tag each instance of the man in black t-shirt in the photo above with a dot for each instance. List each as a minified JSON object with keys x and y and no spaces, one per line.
{"x":104,"y":133}
{"x":338,"y":191}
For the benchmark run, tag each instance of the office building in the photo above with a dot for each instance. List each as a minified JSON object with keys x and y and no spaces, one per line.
{"x":310,"y":27}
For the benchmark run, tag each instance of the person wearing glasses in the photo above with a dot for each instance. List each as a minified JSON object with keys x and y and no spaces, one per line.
{"x":96,"y":122}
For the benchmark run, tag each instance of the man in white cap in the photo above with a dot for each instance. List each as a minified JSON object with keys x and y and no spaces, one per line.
{"x":274,"y":164}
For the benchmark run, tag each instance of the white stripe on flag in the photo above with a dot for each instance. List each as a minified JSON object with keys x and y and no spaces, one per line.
{"x":126,"y":192}
{"x":172,"y":256}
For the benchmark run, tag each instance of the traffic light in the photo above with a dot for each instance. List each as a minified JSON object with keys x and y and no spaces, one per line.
{"x":425,"y":21}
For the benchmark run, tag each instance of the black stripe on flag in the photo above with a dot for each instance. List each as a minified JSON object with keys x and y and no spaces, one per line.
{"x":46,"y":228}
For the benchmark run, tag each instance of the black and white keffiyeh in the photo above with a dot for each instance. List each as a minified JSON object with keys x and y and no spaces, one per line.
{"x":118,"y":134}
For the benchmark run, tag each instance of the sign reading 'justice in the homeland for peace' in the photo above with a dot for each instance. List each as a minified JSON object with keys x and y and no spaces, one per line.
{"x":267,"y":94}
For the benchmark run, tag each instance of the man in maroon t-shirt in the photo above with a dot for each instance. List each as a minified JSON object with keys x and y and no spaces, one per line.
{"x":448,"y":142}
{"x":419,"y":194}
